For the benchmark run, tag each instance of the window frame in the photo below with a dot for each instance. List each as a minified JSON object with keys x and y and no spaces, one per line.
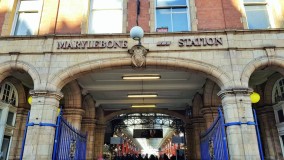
{"x":266,"y":4}
{"x":188,"y":14}
{"x":277,"y":89}
{"x":12,"y":89}
{"x":17,"y":14}
{"x":123,"y":30}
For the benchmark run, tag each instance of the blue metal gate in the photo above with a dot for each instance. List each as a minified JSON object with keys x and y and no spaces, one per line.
{"x":213,"y":142}
{"x":69,"y":143}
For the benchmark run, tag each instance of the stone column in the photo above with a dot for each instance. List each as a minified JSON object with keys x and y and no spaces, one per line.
{"x":40,"y":139}
{"x":269,"y":133}
{"x":195,"y":129}
{"x":209,"y":114}
{"x":188,"y":135}
{"x":242,"y":139}
{"x":99,"y":140}
{"x":74,"y":116}
{"x":18,"y":133}
{"x":88,"y":125}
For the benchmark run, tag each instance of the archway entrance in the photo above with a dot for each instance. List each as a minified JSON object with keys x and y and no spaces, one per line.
{"x":146,"y":134}
{"x":186,"y":95}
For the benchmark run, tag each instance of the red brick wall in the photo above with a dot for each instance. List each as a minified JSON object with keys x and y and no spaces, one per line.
{"x":144,"y":16}
{"x":218,"y":15}
{"x":232,"y":14}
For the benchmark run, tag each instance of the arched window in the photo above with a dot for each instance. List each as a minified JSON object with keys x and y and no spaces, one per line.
{"x":278,"y":91}
{"x":8,"y":94}
{"x":8,"y":109}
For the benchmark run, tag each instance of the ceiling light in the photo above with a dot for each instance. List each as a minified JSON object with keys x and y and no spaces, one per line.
{"x":143,"y":106}
{"x":142,"y":95}
{"x":146,"y":76}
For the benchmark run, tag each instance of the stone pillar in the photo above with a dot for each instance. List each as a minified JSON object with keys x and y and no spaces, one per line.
{"x":209,"y":114}
{"x":18,"y":133}
{"x":195,"y":128}
{"x":74,"y":116}
{"x":242,"y":139}
{"x":269,"y":133}
{"x":88,"y":125}
{"x":188,"y":135}
{"x":99,"y":140}
{"x":40,"y":139}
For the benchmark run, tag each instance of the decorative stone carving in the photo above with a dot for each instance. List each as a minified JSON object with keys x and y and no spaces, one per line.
{"x":45,"y":93}
{"x":138,"y":53}
{"x":234,"y":91}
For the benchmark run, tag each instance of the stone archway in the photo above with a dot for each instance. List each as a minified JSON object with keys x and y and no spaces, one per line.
{"x":258,"y":63}
{"x":58,"y":80}
{"x":7,"y":67}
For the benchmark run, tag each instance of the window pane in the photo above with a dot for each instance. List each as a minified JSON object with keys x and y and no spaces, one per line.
{"x":257,"y":17}
{"x":180,"y":22}
{"x":5,"y":147}
{"x":163,"y":17}
{"x":106,"y":21}
{"x":280,"y":116}
{"x":10,"y":119}
{"x":27,"y":24}
{"x":170,"y":2}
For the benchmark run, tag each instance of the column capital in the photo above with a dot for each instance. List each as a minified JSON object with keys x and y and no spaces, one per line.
{"x":46,"y":93}
{"x":209,"y":110}
{"x":88,"y":121}
{"x":234,"y":91}
{"x":73,"y":111}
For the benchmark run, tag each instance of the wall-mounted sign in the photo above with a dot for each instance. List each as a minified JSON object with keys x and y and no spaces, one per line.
{"x":188,"y":42}
{"x":91,"y":44}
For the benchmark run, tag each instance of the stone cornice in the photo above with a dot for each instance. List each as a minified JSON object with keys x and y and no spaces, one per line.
{"x":45,"y":93}
{"x":234,"y":91}
{"x":153,"y":34}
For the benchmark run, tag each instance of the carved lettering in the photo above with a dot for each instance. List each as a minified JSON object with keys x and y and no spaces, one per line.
{"x":61,"y":45}
{"x":218,"y":41}
{"x":200,"y":42}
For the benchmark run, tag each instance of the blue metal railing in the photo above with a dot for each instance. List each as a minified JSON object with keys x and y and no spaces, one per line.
{"x":213,"y":142}
{"x":69,"y":144}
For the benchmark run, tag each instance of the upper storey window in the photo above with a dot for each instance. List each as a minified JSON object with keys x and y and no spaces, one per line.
{"x":106,"y":16}
{"x":27,"y":17}
{"x":173,"y":15}
{"x":257,"y":15}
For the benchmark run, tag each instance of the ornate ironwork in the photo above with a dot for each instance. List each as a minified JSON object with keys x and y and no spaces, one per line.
{"x":147,"y":120}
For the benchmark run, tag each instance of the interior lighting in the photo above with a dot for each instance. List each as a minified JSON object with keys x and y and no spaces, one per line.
{"x":139,"y":77}
{"x":142,"y":95}
{"x":143,"y":106}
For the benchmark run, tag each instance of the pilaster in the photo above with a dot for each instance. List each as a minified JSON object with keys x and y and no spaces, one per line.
{"x":18,"y":133}
{"x":209,"y":114}
{"x":88,"y":125}
{"x":99,"y":140}
{"x":74,"y":116}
